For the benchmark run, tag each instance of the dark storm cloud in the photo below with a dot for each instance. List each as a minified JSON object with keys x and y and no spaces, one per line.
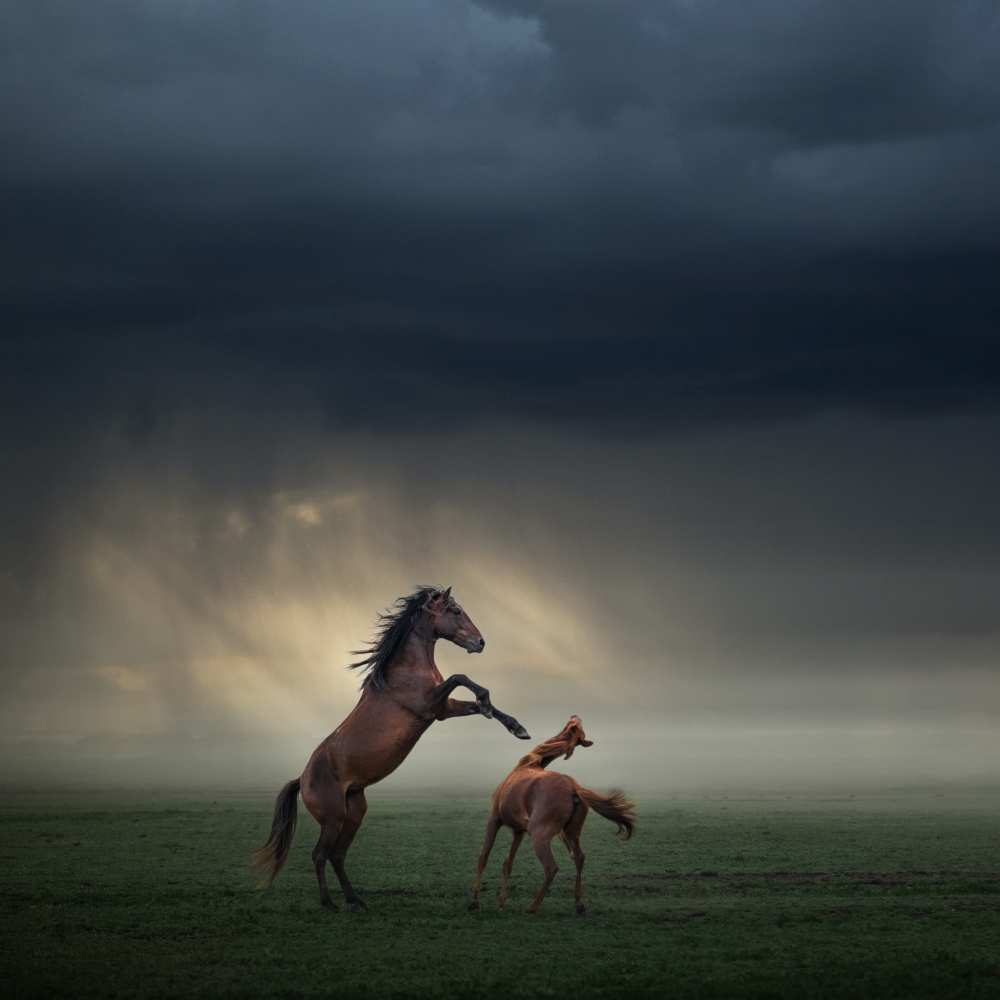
{"x":613,"y":218}
{"x":818,"y":73}
{"x":583,"y":212}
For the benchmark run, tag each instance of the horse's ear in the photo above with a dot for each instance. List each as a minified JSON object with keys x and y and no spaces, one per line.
{"x":433,"y":600}
{"x":446,"y":595}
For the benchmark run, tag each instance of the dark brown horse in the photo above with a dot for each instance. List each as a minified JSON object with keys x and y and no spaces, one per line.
{"x":546,"y":803}
{"x":402,"y":694}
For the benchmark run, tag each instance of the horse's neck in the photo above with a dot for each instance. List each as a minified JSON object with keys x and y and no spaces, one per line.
{"x":414,"y":664}
{"x":544,"y":754}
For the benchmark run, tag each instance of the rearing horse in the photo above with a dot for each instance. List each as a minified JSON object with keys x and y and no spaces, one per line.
{"x":402,"y":694}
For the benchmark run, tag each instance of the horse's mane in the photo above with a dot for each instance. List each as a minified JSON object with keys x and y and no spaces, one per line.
{"x":392,"y":630}
{"x":545,"y":753}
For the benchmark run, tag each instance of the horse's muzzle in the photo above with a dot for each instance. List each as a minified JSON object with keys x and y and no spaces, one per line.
{"x":475,"y":645}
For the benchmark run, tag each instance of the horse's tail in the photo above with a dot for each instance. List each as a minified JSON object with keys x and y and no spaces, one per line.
{"x":613,"y":806}
{"x":269,"y":858}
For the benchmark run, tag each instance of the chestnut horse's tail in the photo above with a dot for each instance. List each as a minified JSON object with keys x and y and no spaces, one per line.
{"x":269,"y":858}
{"x":613,"y":806}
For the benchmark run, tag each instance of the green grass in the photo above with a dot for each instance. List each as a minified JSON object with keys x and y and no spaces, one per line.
{"x":117,"y":895}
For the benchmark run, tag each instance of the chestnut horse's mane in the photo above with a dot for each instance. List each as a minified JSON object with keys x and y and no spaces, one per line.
{"x":392,"y":630}
{"x":545,"y":753}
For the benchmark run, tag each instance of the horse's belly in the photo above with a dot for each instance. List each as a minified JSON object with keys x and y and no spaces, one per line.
{"x":365,"y":748}
{"x":375,"y":756}
{"x":372,"y":742}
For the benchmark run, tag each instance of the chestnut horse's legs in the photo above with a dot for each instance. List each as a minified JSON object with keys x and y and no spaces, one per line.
{"x":541,"y":840}
{"x":357,"y":806}
{"x":571,"y":837}
{"x":508,"y":866}
{"x":578,"y":857}
{"x":493,"y":825}
{"x":319,"y":860}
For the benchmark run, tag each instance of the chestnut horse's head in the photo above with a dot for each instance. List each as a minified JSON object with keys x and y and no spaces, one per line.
{"x":573,"y":736}
{"x":450,"y":621}
{"x":562,"y":745}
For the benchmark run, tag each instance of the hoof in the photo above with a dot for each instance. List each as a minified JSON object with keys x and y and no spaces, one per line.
{"x":521,"y":733}
{"x":328,"y":904}
{"x":356,"y":906}
{"x":473,"y":906}
{"x":581,"y":910}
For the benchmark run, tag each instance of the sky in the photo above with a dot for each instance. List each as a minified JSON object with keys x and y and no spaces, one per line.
{"x":666,"y":333}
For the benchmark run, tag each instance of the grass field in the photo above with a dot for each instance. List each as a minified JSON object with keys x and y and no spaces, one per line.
{"x":129,"y":895}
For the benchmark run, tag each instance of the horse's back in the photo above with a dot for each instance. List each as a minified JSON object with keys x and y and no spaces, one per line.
{"x":531,"y":796}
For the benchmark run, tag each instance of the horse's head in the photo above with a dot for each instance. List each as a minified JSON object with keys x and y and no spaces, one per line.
{"x":449,"y":621}
{"x":574,"y":736}
{"x":562,"y":745}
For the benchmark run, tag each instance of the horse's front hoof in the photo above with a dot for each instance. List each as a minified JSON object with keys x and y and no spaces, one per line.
{"x":473,"y":906}
{"x":521,"y":733}
{"x":328,"y":904}
{"x":581,"y":910}
{"x":356,"y":906}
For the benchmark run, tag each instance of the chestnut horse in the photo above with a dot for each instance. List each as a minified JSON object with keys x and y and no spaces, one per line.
{"x":402,"y":694}
{"x":545,"y":803}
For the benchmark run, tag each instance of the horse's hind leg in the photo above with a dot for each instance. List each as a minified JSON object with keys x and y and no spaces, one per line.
{"x":357,"y":806}
{"x":324,"y":798}
{"x":541,"y":840}
{"x":492,"y":828}
{"x":323,"y":852}
{"x":578,"y":857}
{"x":319,"y":860}
{"x":508,"y":866}
{"x":571,"y":837}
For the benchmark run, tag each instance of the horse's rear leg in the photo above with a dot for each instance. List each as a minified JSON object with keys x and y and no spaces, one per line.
{"x":541,"y":840}
{"x":508,"y":866}
{"x":322,"y":852}
{"x":357,"y":806}
{"x":571,"y":837}
{"x":578,"y":857}
{"x":319,"y":860}
{"x":492,"y":828}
